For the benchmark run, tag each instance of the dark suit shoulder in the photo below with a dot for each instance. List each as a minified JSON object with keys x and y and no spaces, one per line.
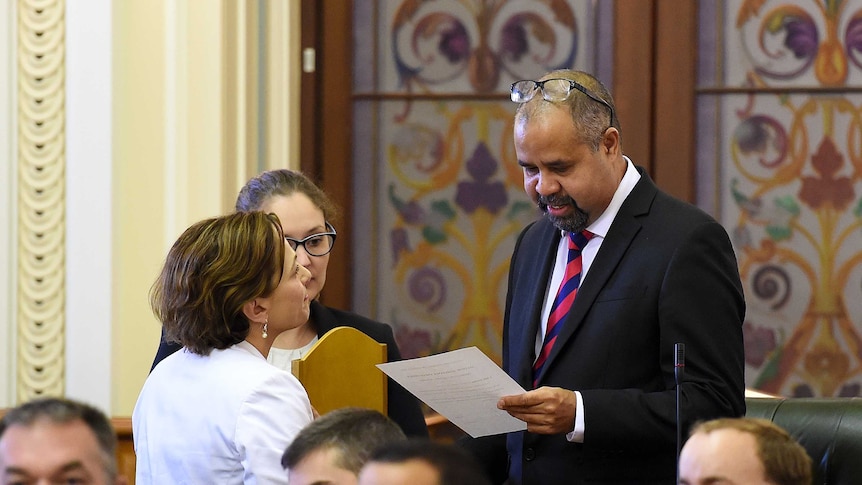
{"x":328,"y":318}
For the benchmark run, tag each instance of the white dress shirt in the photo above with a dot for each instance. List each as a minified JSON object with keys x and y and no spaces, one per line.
{"x":223,"y":418}
{"x":599,"y":228}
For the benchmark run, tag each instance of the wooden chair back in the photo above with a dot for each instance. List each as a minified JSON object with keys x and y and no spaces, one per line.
{"x":340,"y":371}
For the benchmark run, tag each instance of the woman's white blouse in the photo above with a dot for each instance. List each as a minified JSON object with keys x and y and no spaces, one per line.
{"x":223,"y":418}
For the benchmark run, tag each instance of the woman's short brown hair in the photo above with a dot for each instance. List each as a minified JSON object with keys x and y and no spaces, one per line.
{"x":213,"y":269}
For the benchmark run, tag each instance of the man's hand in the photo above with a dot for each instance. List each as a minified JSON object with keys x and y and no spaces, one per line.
{"x":546,"y":410}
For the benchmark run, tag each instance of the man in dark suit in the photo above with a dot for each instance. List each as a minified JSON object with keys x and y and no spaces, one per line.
{"x":655,"y":271}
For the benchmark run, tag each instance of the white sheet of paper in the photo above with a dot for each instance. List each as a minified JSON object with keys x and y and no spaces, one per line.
{"x":463,"y":385}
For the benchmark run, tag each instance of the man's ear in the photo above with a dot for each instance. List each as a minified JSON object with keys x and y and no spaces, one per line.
{"x":256,"y":310}
{"x":611,"y":141}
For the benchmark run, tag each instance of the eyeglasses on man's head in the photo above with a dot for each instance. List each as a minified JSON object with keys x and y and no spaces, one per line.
{"x":553,"y":90}
{"x":319,"y":244}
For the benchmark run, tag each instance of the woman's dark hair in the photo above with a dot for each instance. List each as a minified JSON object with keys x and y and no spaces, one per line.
{"x":212,"y":270}
{"x":259,"y":190}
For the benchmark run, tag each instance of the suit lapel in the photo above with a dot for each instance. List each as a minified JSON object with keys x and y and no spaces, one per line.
{"x":617,"y":242}
{"x":537,"y":267}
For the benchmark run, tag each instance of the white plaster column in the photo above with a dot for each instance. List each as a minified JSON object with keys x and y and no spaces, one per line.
{"x":89,"y":221}
{"x":8,"y":194}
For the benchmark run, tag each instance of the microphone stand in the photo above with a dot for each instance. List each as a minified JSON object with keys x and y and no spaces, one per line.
{"x":678,"y":371}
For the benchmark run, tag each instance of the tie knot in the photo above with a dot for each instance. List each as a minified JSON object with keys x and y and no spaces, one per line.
{"x":577,"y":240}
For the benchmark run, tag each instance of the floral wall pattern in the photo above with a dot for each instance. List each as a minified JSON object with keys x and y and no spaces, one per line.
{"x":436,"y":178}
{"x":784,"y":86}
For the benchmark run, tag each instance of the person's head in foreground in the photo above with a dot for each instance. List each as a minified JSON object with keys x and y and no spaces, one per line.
{"x":333,"y":448}
{"x":421,"y":462}
{"x":228,"y":279}
{"x":743,"y":451}
{"x":56,"y":440}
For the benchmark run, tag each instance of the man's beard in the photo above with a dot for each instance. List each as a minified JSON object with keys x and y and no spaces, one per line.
{"x":574,"y":222}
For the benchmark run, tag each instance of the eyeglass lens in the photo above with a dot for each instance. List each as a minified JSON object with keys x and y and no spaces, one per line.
{"x":315,"y":244}
{"x":553,"y":90}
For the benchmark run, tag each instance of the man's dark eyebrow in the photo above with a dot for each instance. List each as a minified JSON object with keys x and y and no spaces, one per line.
{"x":14,"y":470}
{"x":73,"y":465}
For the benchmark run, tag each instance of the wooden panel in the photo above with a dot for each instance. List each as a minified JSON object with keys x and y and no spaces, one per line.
{"x":340,"y":371}
{"x":308,"y":156}
{"x":673,"y":166}
{"x":326,"y":124}
{"x":633,"y":77}
{"x":125,"y":448}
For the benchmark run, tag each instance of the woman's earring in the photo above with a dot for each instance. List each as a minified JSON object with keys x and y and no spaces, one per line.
{"x":265,"y":323}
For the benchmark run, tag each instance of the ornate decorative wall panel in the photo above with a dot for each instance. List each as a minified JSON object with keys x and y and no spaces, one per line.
{"x":781,"y":122}
{"x":439,"y":199}
{"x":41,"y":203}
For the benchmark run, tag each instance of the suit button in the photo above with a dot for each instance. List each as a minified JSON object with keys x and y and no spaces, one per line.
{"x":529,"y":454}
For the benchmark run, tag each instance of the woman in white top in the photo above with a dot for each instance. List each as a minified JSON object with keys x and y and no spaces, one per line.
{"x":216,"y":411}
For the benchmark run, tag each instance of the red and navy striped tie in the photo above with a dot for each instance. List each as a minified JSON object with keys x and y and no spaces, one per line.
{"x":565,"y":297}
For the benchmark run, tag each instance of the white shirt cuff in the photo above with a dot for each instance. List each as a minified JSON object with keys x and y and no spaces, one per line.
{"x":577,"y":435}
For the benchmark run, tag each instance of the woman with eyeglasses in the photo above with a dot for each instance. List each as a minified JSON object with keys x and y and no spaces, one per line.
{"x":305,"y":212}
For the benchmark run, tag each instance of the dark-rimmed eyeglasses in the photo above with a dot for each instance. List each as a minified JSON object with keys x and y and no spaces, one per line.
{"x":319,"y":244}
{"x":554,"y":90}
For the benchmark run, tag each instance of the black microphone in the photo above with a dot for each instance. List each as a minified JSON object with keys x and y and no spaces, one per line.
{"x":678,"y":362}
{"x":678,"y":371}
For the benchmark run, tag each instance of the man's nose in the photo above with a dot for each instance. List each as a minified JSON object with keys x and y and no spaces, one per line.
{"x":546,"y":185}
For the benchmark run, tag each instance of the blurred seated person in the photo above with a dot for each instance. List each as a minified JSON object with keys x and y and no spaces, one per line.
{"x":333,"y":448}
{"x":743,"y":451}
{"x":421,"y":462}
{"x":216,"y":411}
{"x":306,"y":213}
{"x":57,"y":440}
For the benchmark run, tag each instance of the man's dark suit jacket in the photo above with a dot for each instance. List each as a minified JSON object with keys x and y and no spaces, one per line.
{"x":666,"y":273}
{"x":403,"y":408}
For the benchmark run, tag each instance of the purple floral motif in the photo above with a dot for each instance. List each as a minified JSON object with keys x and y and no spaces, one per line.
{"x":400,"y":243}
{"x":759,"y":342}
{"x":802,"y":37}
{"x":413,"y":342}
{"x":433,"y":44}
{"x":514,"y":39}
{"x":751,"y":135}
{"x":853,"y":39}
{"x":428,"y":287}
{"x":482,"y":193}
{"x":455,"y":43}
{"x":410,"y":211}
{"x":753,"y":138}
